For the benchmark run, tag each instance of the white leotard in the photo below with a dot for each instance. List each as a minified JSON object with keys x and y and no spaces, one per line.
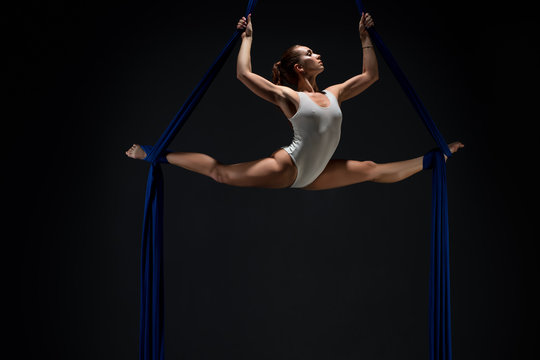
{"x":317,"y":131}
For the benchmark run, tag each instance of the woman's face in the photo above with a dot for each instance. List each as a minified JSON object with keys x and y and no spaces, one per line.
{"x":310,"y":61}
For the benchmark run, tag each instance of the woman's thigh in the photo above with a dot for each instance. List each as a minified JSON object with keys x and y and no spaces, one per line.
{"x":276,"y":171}
{"x":340,"y":172}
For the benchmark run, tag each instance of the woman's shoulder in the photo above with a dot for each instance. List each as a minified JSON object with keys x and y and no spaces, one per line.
{"x":289,"y":100}
{"x":335,"y":91}
{"x":289,"y":94}
{"x":287,"y":90}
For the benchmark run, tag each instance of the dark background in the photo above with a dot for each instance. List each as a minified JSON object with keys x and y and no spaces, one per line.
{"x":258,"y":273}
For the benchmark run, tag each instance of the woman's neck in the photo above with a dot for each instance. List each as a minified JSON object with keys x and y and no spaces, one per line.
{"x":307,"y":84}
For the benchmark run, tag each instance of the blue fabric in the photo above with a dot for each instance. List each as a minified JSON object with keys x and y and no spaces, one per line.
{"x":162,"y":159}
{"x":440,"y":336}
{"x":151,"y":339}
{"x":427,"y":161}
{"x":440,"y":345}
{"x":151,"y":345}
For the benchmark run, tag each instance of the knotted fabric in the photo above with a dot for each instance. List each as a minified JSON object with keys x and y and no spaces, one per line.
{"x":440,"y":344}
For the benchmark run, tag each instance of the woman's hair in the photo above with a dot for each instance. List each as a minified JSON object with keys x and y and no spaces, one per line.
{"x":283,"y":70}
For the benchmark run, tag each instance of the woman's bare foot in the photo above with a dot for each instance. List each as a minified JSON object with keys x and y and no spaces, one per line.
{"x":136,"y":152}
{"x":455,"y":146}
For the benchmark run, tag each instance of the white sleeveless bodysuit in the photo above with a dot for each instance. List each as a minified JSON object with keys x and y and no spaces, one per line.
{"x":317,"y":131}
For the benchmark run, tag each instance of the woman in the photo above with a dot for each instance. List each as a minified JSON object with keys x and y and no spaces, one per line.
{"x":316,"y":120}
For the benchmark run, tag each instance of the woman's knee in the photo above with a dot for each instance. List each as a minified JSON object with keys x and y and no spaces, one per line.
{"x":370,"y":170}
{"x":220,"y":174}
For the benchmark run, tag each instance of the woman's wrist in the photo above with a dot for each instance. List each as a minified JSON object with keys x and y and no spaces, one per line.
{"x":365,"y":39}
{"x":367,"y":45}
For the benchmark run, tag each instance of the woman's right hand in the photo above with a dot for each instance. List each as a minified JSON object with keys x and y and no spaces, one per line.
{"x":366,"y":21}
{"x":245,"y":24}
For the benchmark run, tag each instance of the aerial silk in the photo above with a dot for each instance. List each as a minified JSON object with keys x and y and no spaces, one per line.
{"x":151,"y":340}
{"x":151,"y":337}
{"x":440,"y":344}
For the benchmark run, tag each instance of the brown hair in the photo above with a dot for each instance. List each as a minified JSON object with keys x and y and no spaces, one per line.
{"x":283,"y":70}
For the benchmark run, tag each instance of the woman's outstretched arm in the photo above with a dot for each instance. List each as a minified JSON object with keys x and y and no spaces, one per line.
{"x":370,"y":71}
{"x":243,"y":63}
{"x":262,"y":87}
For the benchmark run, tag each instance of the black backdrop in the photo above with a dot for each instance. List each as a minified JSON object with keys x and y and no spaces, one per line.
{"x":256,"y":273}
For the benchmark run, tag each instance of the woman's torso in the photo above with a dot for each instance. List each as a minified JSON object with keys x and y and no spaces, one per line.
{"x":317,"y":131}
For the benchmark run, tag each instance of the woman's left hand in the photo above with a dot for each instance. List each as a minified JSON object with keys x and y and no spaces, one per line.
{"x":245,"y":24}
{"x":366,"y":21}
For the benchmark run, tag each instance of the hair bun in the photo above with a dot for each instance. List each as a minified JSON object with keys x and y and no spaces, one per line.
{"x":276,"y":74}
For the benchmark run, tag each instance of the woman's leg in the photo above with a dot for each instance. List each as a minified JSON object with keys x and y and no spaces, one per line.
{"x":340,"y":173}
{"x":276,"y":171}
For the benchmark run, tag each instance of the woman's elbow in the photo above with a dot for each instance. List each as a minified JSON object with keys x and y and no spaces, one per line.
{"x":242,"y":75}
{"x":370,"y":76}
{"x":374,"y":77}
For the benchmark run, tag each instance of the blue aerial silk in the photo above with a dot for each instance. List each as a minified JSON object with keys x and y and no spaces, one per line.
{"x":151,"y":339}
{"x":440,"y":344}
{"x":151,"y":344}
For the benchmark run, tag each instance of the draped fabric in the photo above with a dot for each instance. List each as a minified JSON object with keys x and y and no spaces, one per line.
{"x":151,"y":337}
{"x":440,"y":345}
{"x":151,"y":344}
